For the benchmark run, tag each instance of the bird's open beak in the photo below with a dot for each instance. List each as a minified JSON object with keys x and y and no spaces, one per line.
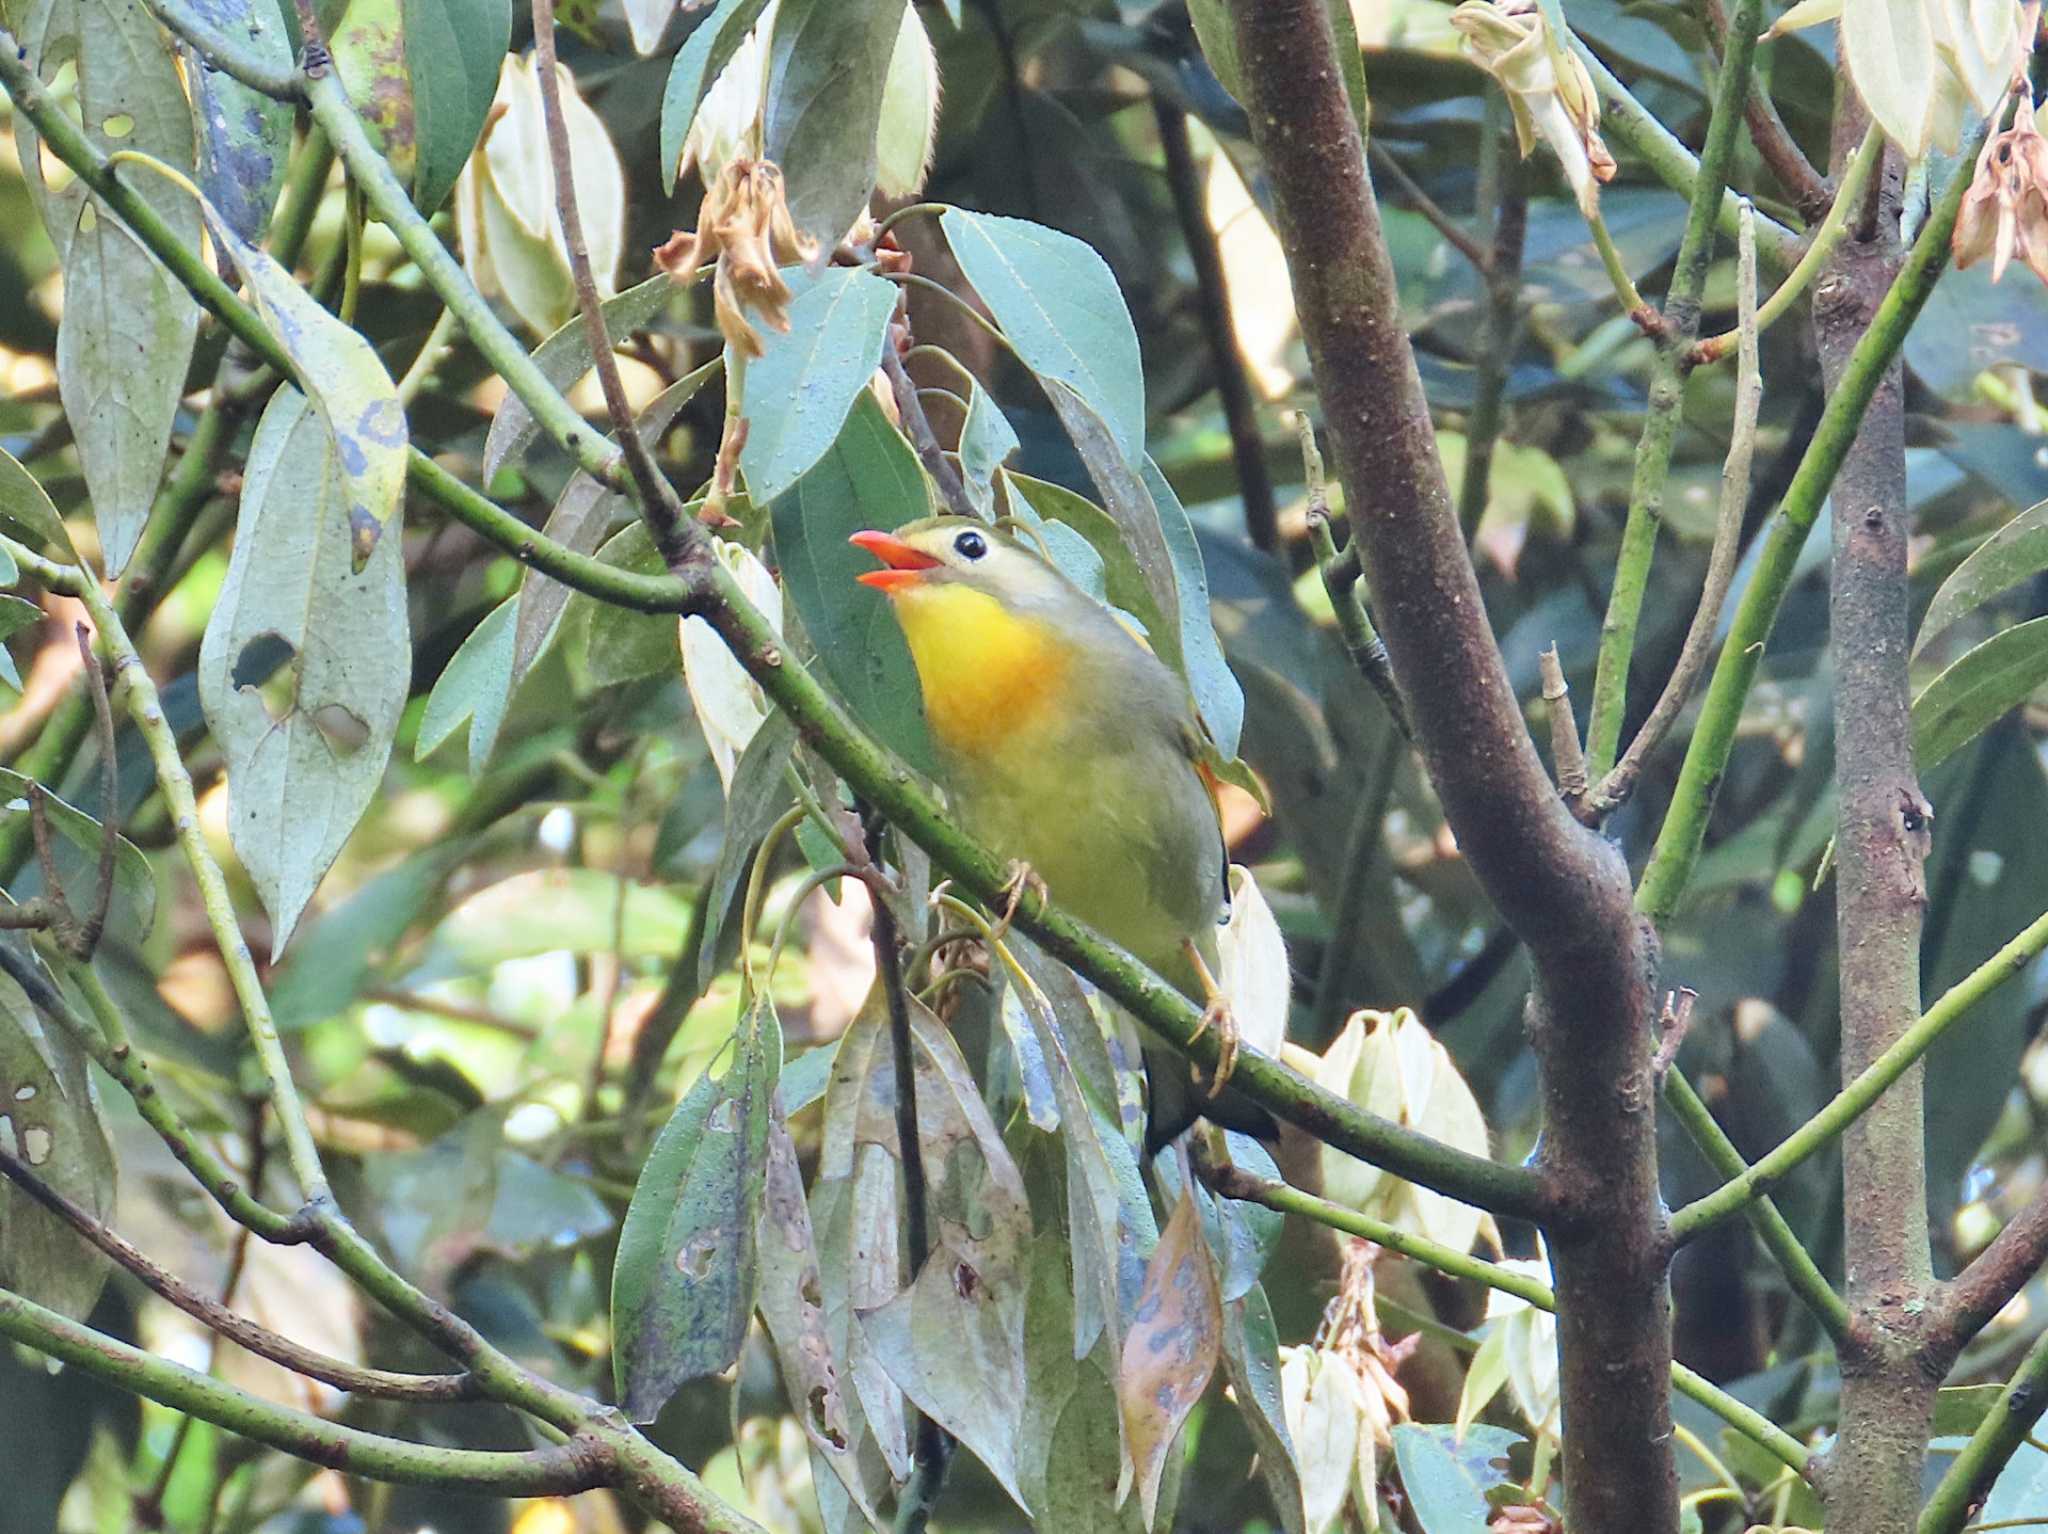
{"x":906,"y":565}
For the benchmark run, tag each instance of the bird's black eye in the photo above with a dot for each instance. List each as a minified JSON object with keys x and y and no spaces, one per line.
{"x":970,"y":545}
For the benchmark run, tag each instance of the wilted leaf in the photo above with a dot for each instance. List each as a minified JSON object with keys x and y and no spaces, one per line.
{"x":307,"y":658}
{"x":472,"y":689}
{"x":358,"y":406}
{"x":697,"y":63}
{"x":1059,"y":304}
{"x":757,"y":796}
{"x":244,"y":135}
{"x":125,"y":340}
{"x":683,"y":1283}
{"x":823,"y":107}
{"x":49,"y":1119}
{"x":801,"y":387}
{"x":77,"y":856}
{"x":954,"y":1341}
{"x":1171,"y":1349}
{"x":452,"y":52}
{"x":369,"y":48}
{"x":563,"y":358}
{"x":2018,"y":551}
{"x":869,"y":479}
{"x":1324,"y":1423}
{"x":1977,"y":690}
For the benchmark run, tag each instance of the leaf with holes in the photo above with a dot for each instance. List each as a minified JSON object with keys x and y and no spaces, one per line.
{"x":244,"y":135}
{"x":126,"y":337}
{"x":1977,"y":690}
{"x":683,"y":1281}
{"x":2017,"y":552}
{"x":869,"y":479}
{"x":1058,"y":302}
{"x":698,"y":62}
{"x":954,"y":1341}
{"x":563,"y":358}
{"x":76,"y":852}
{"x":800,"y":389}
{"x":306,"y":662}
{"x":822,"y":106}
{"x":452,"y":51}
{"x":50,"y":1120}
{"x":1447,"y":1476}
{"x":356,"y":402}
{"x":1171,"y":1349}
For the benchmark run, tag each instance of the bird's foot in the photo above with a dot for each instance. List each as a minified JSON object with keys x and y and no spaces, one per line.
{"x":1018,"y":878}
{"x":1216,"y":1014}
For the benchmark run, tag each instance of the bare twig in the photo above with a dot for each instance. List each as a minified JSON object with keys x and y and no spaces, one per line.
{"x":1673,"y":1022}
{"x":918,"y":427}
{"x":1615,"y":788}
{"x":1340,"y":573}
{"x":1452,"y":231}
{"x":1567,"y":755}
{"x":664,"y":511}
{"x":1966,"y":1304}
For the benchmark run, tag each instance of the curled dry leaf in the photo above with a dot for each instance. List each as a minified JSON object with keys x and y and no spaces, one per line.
{"x":1548,"y":88}
{"x":1171,"y":1349}
{"x":2005,"y":210}
{"x":744,"y":226}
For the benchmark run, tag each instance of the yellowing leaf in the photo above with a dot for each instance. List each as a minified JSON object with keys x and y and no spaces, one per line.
{"x":1171,"y":1349}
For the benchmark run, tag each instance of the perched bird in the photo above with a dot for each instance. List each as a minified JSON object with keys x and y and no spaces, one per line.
{"x":1066,"y":746}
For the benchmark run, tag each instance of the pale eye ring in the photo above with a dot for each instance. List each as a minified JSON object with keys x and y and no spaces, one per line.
{"x":970,"y":545}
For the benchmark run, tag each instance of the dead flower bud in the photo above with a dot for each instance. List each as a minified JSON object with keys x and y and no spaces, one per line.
{"x":2005,"y":210}
{"x":1548,"y":88}
{"x":744,"y":227}
{"x":1351,"y":1331}
{"x":1525,"y":1518}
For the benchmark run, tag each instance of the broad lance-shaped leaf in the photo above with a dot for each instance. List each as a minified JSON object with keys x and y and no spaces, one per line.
{"x":2018,"y":551}
{"x":341,"y":373}
{"x":1059,"y":304}
{"x":125,"y":341}
{"x":474,"y":689}
{"x":1889,"y":48}
{"x":15,"y":615}
{"x":799,"y":390}
{"x":683,"y":1281}
{"x":244,"y":135}
{"x":563,"y":358}
{"x":307,"y":660}
{"x":1170,"y":1351}
{"x":76,"y":853}
{"x":987,"y":440}
{"x":27,"y":512}
{"x":954,"y":1341}
{"x":1217,"y":695}
{"x":1251,"y":1364}
{"x":50,"y":1119}
{"x":1974,"y":693}
{"x":822,"y":106}
{"x":452,"y":49}
{"x":869,"y":479}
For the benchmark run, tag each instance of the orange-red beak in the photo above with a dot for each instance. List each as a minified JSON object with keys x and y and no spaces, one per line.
{"x":906,"y":565}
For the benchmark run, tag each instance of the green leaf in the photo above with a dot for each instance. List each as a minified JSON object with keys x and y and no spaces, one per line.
{"x":244,"y":135}
{"x":1977,"y":690}
{"x":27,"y":513}
{"x":357,"y":403}
{"x":77,"y":856}
{"x":307,"y":659}
{"x":760,"y":792}
{"x":1217,"y":693}
{"x":15,"y":615}
{"x":986,"y":441}
{"x":433,"y":1202}
{"x":2018,"y":551}
{"x":1057,"y":301}
{"x":1958,"y":1409}
{"x":563,"y":358}
{"x":802,"y":387}
{"x":822,"y":108}
{"x":1119,"y":578}
{"x":474,"y":690}
{"x":1446,"y":1480}
{"x":1128,"y":499}
{"x":552,"y":910}
{"x":1251,"y":1363}
{"x":49,"y":1119}
{"x":698,"y":62}
{"x":615,"y":645}
{"x":683,"y":1283}
{"x":869,"y":479}
{"x":126,"y":337}
{"x":336,"y":955}
{"x":1171,"y":1349}
{"x":452,"y":51}
{"x":1214,"y":31}
{"x":954,"y":1341}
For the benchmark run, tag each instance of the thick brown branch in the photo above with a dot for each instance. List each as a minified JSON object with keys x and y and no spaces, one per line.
{"x":1966,"y":1304}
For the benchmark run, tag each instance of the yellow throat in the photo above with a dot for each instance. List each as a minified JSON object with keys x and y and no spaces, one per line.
{"x":988,"y":674}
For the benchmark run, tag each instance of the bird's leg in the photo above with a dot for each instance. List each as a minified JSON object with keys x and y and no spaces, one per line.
{"x":1215,"y":1014}
{"x":1018,"y":878}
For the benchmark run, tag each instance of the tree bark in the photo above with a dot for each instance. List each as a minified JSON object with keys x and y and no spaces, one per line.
{"x":1873,"y":1479}
{"x":1562,"y":888}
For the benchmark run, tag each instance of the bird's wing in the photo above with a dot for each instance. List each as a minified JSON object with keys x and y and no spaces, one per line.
{"x":1202,"y":752}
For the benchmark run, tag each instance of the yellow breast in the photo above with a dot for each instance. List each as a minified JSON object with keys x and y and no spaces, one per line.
{"x":989,"y":676}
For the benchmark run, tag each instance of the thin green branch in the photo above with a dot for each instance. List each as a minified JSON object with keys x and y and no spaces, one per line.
{"x":1685,"y":823}
{"x":577,"y":1465}
{"x":1236,"y":1183}
{"x":1667,"y":394}
{"x":1855,"y":182}
{"x":1854,"y":1099}
{"x":2005,"y":1427}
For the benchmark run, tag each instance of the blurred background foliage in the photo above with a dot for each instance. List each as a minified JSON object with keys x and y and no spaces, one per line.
{"x":465,"y":996}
